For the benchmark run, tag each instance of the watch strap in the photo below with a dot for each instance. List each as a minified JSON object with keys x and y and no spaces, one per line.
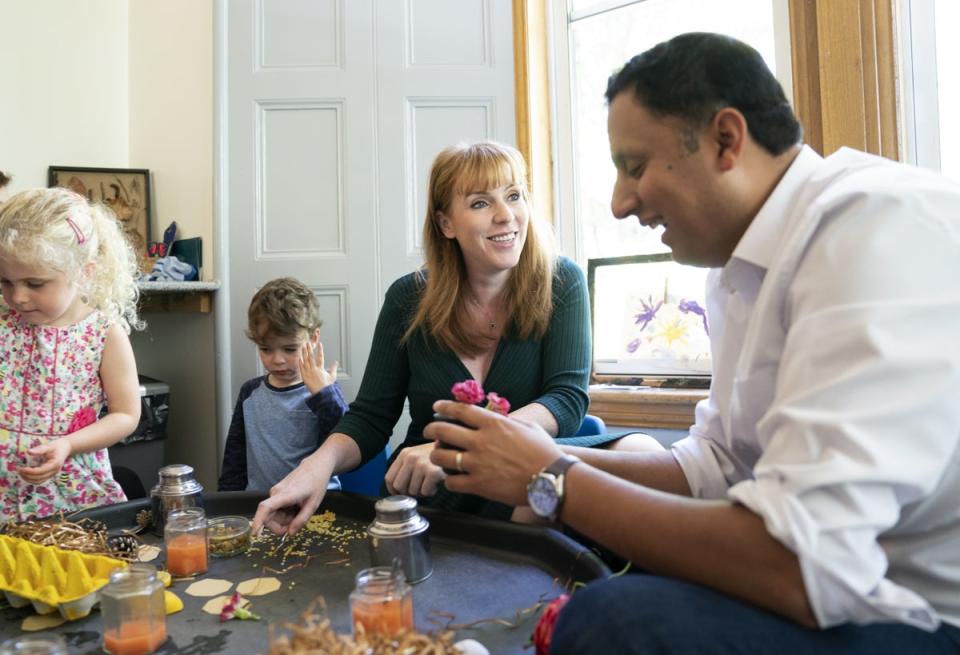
{"x":561,"y":464}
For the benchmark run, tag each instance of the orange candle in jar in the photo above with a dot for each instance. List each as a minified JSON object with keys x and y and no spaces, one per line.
{"x":135,"y":638}
{"x":387,"y":616}
{"x":187,"y":554}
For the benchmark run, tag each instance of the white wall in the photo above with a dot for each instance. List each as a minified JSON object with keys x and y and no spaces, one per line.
{"x":171,"y":133}
{"x":171,"y":112}
{"x":127,"y":84}
{"x":64,"y":89}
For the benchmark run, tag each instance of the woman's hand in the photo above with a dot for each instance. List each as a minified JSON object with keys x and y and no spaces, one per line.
{"x":53,"y":453}
{"x":314,"y":375}
{"x":499,"y":454}
{"x":413,"y":474}
{"x":294,"y":499}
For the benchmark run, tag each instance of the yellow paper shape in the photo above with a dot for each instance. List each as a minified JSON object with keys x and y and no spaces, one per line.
{"x":258,"y":586}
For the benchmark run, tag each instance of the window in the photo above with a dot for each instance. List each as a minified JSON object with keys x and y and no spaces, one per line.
{"x":654,"y":332}
{"x":929,"y":50}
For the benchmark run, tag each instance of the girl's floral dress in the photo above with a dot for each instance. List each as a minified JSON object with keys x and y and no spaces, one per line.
{"x":49,"y":387}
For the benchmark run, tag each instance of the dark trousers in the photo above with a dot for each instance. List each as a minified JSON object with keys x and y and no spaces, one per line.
{"x":638,"y":613}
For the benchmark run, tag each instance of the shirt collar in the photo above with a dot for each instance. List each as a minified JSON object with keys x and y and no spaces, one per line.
{"x":758,"y":243}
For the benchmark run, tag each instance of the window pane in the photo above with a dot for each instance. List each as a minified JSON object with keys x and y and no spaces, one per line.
{"x":600,"y":44}
{"x":947,"y":14}
{"x":591,"y":6}
{"x":648,"y":318}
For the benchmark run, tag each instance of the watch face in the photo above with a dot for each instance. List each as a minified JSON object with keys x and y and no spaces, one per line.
{"x":542,"y":496}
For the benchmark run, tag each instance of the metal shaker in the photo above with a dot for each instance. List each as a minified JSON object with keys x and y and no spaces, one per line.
{"x":176,"y":489}
{"x":399,"y":532}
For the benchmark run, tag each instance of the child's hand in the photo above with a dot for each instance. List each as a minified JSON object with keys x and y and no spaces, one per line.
{"x":314,"y":375}
{"x":53,"y":454}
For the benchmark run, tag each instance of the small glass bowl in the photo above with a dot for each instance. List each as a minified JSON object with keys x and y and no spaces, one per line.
{"x":228,"y":536}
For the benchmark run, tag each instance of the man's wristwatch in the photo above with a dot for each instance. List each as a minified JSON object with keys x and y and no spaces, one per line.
{"x":545,"y":491}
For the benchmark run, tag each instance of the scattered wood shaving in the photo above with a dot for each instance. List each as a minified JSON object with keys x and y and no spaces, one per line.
{"x":258,"y":586}
{"x":313,"y":634}
{"x":86,"y":536}
{"x":446,"y":619}
{"x":209,"y":587}
{"x":148,"y":553}
{"x":215,"y":605}
{"x":37,"y":622}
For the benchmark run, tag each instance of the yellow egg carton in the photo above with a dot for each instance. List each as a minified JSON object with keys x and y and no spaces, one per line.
{"x":52,"y":578}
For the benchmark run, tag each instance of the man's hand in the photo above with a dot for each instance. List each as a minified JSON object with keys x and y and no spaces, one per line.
{"x":413,"y":474}
{"x":498,"y":458}
{"x":294,"y":499}
{"x":53,"y":454}
{"x":314,"y":375}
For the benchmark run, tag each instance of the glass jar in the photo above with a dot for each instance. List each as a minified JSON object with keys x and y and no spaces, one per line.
{"x":228,"y":536}
{"x":382,"y":601}
{"x":34,"y":645}
{"x":185,"y":538}
{"x":134,"y":617}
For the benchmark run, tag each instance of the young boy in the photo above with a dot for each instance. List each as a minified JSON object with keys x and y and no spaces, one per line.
{"x":285,"y":415}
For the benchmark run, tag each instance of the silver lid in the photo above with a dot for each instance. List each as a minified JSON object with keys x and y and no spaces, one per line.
{"x":176,"y":479}
{"x":396,"y":517}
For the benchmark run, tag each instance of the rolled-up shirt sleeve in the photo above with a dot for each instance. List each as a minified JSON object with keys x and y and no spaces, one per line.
{"x":861,"y":438}
{"x":705,"y":463}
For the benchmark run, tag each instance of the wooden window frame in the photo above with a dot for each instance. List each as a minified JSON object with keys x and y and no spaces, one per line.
{"x":845,"y":91}
{"x":844,"y":74}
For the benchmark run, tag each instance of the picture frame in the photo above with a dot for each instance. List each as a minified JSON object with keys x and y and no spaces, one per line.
{"x":126,"y":191}
{"x":648,"y":320}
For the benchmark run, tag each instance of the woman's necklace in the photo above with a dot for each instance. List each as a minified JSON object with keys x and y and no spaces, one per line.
{"x":485,"y":315}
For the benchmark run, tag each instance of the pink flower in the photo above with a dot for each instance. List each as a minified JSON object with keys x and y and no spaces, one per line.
{"x":543,"y":632}
{"x":497,"y":403}
{"x":233,"y":610}
{"x":82,"y":419}
{"x":468,"y":391}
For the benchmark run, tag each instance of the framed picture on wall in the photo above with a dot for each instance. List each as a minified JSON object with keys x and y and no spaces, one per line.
{"x":126,"y":191}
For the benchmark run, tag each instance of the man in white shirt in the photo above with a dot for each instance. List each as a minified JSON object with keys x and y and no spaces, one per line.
{"x":815,"y":505}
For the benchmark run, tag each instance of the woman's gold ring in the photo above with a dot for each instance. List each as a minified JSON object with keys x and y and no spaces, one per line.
{"x":460,"y":462}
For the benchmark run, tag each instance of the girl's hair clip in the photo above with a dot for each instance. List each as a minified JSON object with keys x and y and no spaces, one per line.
{"x":76,"y":230}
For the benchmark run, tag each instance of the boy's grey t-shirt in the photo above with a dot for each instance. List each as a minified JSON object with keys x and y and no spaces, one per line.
{"x":281,"y":426}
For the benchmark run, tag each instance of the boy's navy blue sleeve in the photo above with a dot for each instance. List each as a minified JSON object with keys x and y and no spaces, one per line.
{"x":328,"y":405}
{"x":233,"y":473}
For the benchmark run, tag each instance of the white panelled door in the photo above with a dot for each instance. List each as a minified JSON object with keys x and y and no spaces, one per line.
{"x":445,"y":74}
{"x":334,"y":110}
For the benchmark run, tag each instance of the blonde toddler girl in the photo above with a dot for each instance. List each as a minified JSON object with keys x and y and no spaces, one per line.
{"x":69,"y":300}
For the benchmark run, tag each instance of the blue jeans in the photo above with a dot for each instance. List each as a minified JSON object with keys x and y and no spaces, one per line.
{"x":639,"y":613}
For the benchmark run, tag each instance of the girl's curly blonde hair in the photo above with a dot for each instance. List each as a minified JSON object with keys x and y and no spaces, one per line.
{"x":60,"y":229}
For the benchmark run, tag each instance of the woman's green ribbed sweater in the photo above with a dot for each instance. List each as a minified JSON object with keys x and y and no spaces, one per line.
{"x":552,"y":371}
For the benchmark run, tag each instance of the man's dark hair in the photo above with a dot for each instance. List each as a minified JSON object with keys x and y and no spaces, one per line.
{"x":693,"y":76}
{"x":5,"y":179}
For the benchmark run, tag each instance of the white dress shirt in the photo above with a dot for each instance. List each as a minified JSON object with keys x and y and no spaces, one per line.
{"x":834,"y":412}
